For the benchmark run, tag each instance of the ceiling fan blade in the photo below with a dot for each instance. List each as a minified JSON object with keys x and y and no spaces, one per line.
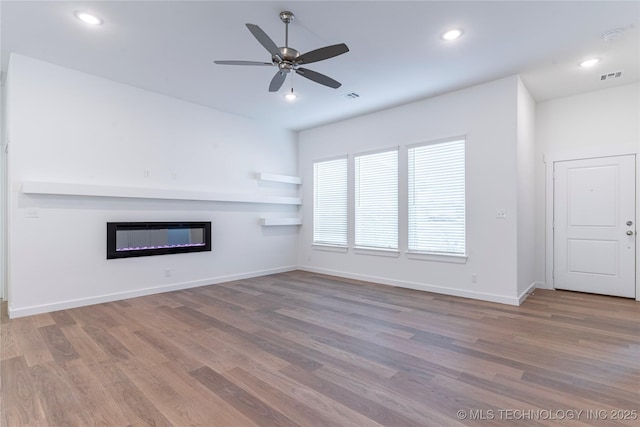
{"x":322,"y":53}
{"x":277,"y":81}
{"x":318,"y":78}
{"x":265,"y":40}
{"x":242,"y":63}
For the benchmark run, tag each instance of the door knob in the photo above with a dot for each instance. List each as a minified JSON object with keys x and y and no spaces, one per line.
{"x":629,"y":223}
{"x":629,"y":233}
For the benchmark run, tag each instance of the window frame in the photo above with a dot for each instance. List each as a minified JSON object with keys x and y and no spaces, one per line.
{"x":450,"y":257}
{"x":372,"y":250}
{"x":330,"y":247}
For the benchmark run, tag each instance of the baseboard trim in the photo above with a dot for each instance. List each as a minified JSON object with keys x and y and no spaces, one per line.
{"x":523,"y":296}
{"x":416,"y":286}
{"x":63,"y":305}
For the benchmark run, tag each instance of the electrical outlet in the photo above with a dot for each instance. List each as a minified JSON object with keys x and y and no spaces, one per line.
{"x":167,"y":272}
{"x":501,"y":214}
{"x":474,"y":278}
{"x":147,"y":173}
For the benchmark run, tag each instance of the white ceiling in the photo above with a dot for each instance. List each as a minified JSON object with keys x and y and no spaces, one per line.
{"x":396,"y":55}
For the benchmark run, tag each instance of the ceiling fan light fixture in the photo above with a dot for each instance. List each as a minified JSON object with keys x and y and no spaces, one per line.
{"x":451,"y":34}
{"x":290,"y":96}
{"x":88,"y":18}
{"x":587,"y":63}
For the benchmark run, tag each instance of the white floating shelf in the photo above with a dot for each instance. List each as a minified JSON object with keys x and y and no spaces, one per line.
{"x":87,"y":190}
{"x":263,"y":176}
{"x":280,"y":221}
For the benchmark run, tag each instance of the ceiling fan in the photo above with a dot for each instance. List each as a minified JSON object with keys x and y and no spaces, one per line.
{"x":288,"y":59}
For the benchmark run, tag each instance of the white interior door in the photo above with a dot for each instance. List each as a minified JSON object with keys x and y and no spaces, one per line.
{"x":594,"y":225}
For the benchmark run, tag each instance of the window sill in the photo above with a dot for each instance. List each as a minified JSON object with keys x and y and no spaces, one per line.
{"x":377,"y":252}
{"x":330,"y":248}
{"x":426,"y":256}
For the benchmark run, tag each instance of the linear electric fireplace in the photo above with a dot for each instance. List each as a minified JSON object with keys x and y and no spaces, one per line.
{"x":133,"y":239}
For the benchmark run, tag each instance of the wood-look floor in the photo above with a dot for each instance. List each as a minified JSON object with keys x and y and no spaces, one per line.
{"x":301,"y":349}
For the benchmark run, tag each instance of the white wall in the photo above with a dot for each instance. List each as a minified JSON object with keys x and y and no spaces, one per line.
{"x":4,"y":136}
{"x":597,"y":123}
{"x":486,"y":114}
{"x":71,"y":127}
{"x":526,"y":116}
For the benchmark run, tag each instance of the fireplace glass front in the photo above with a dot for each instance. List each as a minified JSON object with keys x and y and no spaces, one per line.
{"x":134,"y":239}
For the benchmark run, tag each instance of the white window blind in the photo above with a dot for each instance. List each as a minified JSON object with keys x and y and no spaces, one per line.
{"x":376,"y":204}
{"x":330,"y":202}
{"x":437,"y":198}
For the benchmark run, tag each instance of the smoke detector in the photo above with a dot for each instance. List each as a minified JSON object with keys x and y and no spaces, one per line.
{"x":612,"y":34}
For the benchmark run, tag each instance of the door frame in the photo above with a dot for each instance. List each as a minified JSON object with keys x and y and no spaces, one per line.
{"x":549,"y":160}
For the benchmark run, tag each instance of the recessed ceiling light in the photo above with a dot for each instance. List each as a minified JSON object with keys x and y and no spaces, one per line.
{"x":88,"y":18}
{"x":451,"y":34}
{"x":589,"y":62}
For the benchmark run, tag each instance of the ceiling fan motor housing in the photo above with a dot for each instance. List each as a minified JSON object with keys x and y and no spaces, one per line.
{"x":288,"y":55}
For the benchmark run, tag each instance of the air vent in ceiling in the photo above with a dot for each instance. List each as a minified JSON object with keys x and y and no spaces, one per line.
{"x":352,"y":95}
{"x":609,"y":76}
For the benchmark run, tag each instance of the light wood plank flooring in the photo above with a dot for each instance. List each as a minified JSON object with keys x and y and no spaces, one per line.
{"x":302,"y":349}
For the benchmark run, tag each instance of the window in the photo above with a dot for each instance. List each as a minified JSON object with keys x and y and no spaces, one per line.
{"x":376,"y":200}
{"x":330,"y":202}
{"x":437,"y":198}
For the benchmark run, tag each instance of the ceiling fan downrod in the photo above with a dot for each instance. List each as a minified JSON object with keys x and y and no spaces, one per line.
{"x":287,"y":18}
